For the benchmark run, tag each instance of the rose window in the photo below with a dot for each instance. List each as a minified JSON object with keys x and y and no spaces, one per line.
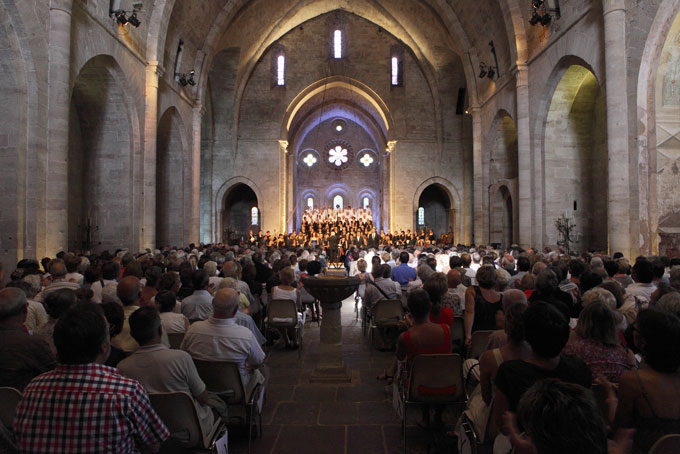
{"x":310,"y":160}
{"x":337,"y":155}
{"x":366,"y":160}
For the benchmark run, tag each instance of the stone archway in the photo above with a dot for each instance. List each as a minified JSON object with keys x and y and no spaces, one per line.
{"x":221,"y":199}
{"x":241,"y":213}
{"x":173,"y":181}
{"x":575,"y":159}
{"x":100,"y":196}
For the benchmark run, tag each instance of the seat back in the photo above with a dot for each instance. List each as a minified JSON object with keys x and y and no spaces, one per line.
{"x":362,"y":289}
{"x":436,"y":379}
{"x":223,"y":378}
{"x":282,"y":313}
{"x":178,"y":411}
{"x":175,"y":339}
{"x":478,"y":344}
{"x":458,"y":332}
{"x":387,"y":312}
{"x":9,"y":399}
{"x":305,"y":296}
{"x":668,"y":444}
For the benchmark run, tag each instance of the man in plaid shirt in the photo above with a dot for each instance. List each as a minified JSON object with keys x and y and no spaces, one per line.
{"x":83,"y":406}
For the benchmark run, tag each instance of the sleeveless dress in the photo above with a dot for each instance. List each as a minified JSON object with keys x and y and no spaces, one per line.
{"x":485,"y":312}
{"x":413,"y":350}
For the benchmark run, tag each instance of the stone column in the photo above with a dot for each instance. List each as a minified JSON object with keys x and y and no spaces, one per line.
{"x":283,"y":184}
{"x":388,"y":219}
{"x":618,"y":206}
{"x":56,"y":190}
{"x":195,"y":226}
{"x":478,"y":189}
{"x":148,"y":236}
{"x":524,"y":157}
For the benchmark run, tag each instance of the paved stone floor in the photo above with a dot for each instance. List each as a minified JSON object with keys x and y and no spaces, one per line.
{"x":300,"y":417}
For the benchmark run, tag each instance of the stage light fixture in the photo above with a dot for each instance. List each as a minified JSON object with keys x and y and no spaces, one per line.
{"x":119,"y":14}
{"x":482,"y":71}
{"x":545,"y":20}
{"x":491,"y":72}
{"x":535,"y":18}
{"x":134,"y":20}
{"x":191,"y":80}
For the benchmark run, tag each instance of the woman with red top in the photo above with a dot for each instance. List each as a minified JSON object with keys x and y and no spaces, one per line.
{"x":423,"y":338}
{"x":436,"y":287}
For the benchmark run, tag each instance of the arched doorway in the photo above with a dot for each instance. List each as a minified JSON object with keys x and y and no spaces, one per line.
{"x":173,"y":182}
{"x":434,"y":209}
{"x":99,"y":162}
{"x":575,"y":159}
{"x":502,"y":230}
{"x":241,"y":213}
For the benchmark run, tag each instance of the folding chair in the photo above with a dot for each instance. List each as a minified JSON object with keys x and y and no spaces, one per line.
{"x":244,"y":404}
{"x":458,"y":333}
{"x":668,"y":444}
{"x":9,"y":399}
{"x":480,"y":340}
{"x":284,"y":314}
{"x":385,"y":314}
{"x":433,"y":379}
{"x":175,"y":340}
{"x":178,"y":411}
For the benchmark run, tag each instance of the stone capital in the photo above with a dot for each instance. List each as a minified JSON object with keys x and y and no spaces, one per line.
{"x":522,"y":76}
{"x":391,"y":146}
{"x":283,"y":145}
{"x":65,"y":6}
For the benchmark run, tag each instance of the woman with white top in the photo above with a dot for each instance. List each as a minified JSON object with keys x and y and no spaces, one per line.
{"x":172,"y":322}
{"x":286,"y":291}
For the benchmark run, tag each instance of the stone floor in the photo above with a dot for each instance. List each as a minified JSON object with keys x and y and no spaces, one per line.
{"x":300,"y":417}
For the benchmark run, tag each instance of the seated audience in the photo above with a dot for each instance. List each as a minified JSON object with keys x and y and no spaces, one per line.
{"x":286,"y":291}
{"x":152,"y":274}
{"x":83,"y":406}
{"x":110,"y":274}
{"x":648,"y":398}
{"x":546,"y":330}
{"x":160,"y":369}
{"x":115,"y":317}
{"x":379,"y":288}
{"x":643,"y":273}
{"x":482,"y":301}
{"x":57,"y":279}
{"x":36,"y":315}
{"x":436,"y":287}
{"x":220,"y":338}
{"x":242,"y":318}
{"x":172,"y":321}
{"x":22,"y":356}
{"x":56,"y":304}
{"x":599,"y":345}
{"x":455,"y":294}
{"x":198,"y":306}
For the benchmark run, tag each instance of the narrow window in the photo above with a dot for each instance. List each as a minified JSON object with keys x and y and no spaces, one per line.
{"x":178,"y":59}
{"x":337,"y":44}
{"x":395,"y":71}
{"x":367,"y":202}
{"x":421,"y":216}
{"x":338,"y":202}
{"x":310,"y":203}
{"x":281,"y":70}
{"x":254,"y":216}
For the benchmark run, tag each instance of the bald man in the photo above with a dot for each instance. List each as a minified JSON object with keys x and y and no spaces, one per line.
{"x":22,"y":357}
{"x":220,"y":338}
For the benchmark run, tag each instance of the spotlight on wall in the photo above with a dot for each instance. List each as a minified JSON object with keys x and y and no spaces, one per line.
{"x":119,"y":14}
{"x":482,"y":71}
{"x":133,"y":19}
{"x":186,"y":79}
{"x":191,"y":80}
{"x":487,"y":71}
{"x":540,"y":12}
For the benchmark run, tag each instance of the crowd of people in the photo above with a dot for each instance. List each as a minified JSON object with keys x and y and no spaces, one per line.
{"x":99,"y":324}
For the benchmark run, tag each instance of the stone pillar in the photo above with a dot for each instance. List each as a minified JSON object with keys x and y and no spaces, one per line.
{"x":283,"y":182}
{"x":618,"y":206}
{"x":56,"y":190}
{"x":195,"y":226}
{"x":524,"y":157}
{"x":388,"y":219}
{"x":478,"y":189}
{"x":148,"y":227}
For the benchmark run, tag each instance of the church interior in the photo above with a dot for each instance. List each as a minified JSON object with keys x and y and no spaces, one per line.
{"x":148,"y":125}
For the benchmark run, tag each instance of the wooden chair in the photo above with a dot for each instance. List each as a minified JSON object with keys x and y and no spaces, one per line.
{"x":244,"y":404}
{"x":9,"y":399}
{"x":283,"y":314}
{"x":386,"y":314}
{"x":178,"y":411}
{"x":478,"y":344}
{"x":668,"y":444}
{"x":433,"y":379}
{"x":175,"y":340}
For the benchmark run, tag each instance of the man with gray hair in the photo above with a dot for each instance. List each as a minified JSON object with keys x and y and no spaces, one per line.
{"x":22,"y":357}
{"x":231,"y":269}
{"x":220,"y":338}
{"x":242,"y":318}
{"x":58,"y":276}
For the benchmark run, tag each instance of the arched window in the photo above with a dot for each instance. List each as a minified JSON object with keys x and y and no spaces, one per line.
{"x":366,"y":202}
{"x":337,"y":44}
{"x":338,"y":202}
{"x":310,"y":203}
{"x":281,"y":70}
{"x":254,"y":216}
{"x":395,"y":71}
{"x":421,"y":216}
